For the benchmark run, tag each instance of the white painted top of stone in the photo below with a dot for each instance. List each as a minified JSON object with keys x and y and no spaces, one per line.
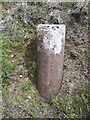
{"x":54,"y":37}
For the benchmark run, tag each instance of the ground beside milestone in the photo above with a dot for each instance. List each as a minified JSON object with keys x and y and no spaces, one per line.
{"x":18,"y":47}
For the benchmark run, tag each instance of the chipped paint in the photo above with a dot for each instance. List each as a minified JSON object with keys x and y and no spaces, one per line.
{"x":54,"y":37}
{"x":50,"y":58}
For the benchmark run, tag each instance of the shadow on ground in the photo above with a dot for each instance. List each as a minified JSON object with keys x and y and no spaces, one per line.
{"x":30,"y":60}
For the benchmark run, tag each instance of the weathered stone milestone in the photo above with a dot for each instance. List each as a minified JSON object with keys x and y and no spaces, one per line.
{"x":50,"y":53}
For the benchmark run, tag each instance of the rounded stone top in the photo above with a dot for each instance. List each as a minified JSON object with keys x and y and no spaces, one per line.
{"x":51,"y":27}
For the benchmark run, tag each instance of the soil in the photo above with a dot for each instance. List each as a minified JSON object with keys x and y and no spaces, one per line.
{"x":75,"y":69}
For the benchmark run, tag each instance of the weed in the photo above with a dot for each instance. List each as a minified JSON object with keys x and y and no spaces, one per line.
{"x":33,"y":66}
{"x":7,"y":62}
{"x":87,"y":58}
{"x":68,"y":3}
{"x":7,"y":65}
{"x":26,"y":97}
{"x":77,"y":106}
{"x":1,"y":42}
{"x":31,"y":30}
{"x":5,"y":94}
{"x":32,"y":9}
{"x":1,"y":112}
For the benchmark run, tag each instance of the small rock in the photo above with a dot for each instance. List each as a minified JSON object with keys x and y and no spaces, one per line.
{"x":12,"y":55}
{"x":73,"y":54}
{"x":29,"y":97}
{"x":9,"y":51}
{"x":64,"y":66}
{"x":20,"y":76}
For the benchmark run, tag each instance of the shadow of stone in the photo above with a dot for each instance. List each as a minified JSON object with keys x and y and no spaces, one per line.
{"x":30,"y":60}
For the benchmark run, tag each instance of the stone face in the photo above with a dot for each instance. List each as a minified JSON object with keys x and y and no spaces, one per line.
{"x":50,"y":52}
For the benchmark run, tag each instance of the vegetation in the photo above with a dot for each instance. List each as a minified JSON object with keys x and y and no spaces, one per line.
{"x":8,"y":52}
{"x":76,"y":105}
{"x":20,"y":97}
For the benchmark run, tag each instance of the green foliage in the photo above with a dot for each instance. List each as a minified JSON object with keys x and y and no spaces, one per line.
{"x":7,"y":64}
{"x":77,"y":106}
{"x":31,"y":30}
{"x":5,"y":94}
{"x":68,"y":3}
{"x":32,"y":9}
{"x":87,"y":58}
{"x":26,"y":99}
{"x":1,"y":42}
{"x":5,"y":59}
{"x":12,"y":41}
{"x":33,"y":66}
{"x":1,"y":112}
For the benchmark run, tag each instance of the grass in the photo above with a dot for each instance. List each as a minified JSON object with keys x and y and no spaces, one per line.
{"x":13,"y":50}
{"x":1,"y":42}
{"x":7,"y":62}
{"x":5,"y":94}
{"x":32,"y":9}
{"x":87,"y":58}
{"x":13,"y":47}
{"x":78,"y":104}
{"x":68,"y":3}
{"x":25,"y":96}
{"x":1,"y":112}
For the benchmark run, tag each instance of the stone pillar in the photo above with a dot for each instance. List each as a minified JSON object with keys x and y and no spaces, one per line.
{"x":50,"y":54}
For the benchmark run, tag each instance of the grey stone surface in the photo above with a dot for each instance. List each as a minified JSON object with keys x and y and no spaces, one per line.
{"x":50,"y":54}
